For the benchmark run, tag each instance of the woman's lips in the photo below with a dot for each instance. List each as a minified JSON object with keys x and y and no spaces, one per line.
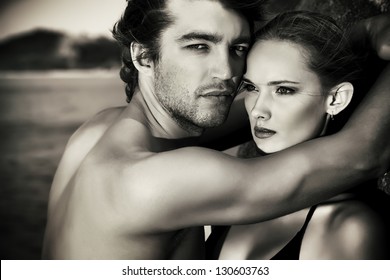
{"x":263,"y":133}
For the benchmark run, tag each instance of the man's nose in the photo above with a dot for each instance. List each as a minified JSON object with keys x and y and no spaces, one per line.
{"x":223,"y":66}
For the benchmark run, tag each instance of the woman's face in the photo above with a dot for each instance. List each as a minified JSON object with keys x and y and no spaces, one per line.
{"x":283,"y":98}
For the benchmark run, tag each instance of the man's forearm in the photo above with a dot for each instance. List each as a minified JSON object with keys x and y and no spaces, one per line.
{"x":369,"y":126}
{"x":362,"y":148}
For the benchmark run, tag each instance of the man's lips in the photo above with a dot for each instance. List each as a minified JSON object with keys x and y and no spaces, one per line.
{"x":263,"y":133}
{"x":218,"y":94}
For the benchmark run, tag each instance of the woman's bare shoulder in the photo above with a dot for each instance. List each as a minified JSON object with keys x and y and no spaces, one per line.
{"x":349,"y":230}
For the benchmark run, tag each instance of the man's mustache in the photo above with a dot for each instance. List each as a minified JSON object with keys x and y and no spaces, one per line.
{"x":229,"y":87}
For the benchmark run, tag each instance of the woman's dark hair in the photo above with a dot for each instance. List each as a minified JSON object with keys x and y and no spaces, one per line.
{"x":143,"y":22}
{"x":328,"y":52}
{"x":326,"y":49}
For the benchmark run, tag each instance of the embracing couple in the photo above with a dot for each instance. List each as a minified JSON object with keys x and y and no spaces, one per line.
{"x":138,"y":182}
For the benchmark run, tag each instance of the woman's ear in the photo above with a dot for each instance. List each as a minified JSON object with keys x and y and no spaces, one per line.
{"x":144,"y":65}
{"x":339,"y":98}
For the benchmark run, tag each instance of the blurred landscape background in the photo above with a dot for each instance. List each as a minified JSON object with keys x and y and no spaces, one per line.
{"x":43,"y":49}
{"x":45,"y":95}
{"x":58,"y":67}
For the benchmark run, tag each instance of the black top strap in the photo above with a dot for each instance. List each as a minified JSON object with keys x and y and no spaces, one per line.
{"x":292,"y":249}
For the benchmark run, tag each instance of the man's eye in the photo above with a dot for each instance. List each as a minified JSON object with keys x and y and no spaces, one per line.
{"x":240,"y":50}
{"x":199,"y":47}
{"x":285,"y":90}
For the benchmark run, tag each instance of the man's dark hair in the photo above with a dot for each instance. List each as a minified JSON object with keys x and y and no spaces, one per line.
{"x":143,"y":22}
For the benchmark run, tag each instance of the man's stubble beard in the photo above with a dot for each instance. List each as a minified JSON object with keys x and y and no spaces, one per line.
{"x":183,"y":107}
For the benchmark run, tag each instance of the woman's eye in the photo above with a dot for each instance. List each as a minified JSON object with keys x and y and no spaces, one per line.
{"x":249,"y":87}
{"x":285,"y":90}
{"x":246,"y":87}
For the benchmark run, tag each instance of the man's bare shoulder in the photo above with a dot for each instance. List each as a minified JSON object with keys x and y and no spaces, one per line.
{"x":78,"y":146}
{"x":90,"y":132}
{"x":97,"y":125}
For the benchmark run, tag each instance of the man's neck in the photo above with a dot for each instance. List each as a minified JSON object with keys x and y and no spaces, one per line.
{"x":146,"y":109}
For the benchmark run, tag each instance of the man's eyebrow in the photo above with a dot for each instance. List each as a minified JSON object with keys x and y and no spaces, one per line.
{"x":242,"y":40}
{"x":213,"y":38}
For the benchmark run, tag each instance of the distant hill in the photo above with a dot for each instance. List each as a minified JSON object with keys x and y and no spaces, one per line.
{"x":43,"y":49}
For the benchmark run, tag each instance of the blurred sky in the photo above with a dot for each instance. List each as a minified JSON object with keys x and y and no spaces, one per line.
{"x":91,"y":17}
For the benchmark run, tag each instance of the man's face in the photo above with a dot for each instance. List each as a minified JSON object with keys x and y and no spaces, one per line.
{"x":202,"y":59}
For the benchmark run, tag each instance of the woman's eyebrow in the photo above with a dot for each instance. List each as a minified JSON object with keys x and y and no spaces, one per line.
{"x":275,"y":83}
{"x":272,"y":83}
{"x":246,"y":80}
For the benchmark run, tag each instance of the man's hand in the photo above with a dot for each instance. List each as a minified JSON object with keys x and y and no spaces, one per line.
{"x":374,"y":32}
{"x":378,"y":29}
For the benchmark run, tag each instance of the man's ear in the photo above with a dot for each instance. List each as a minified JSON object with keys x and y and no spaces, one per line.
{"x":339,"y":98}
{"x":144,"y":65}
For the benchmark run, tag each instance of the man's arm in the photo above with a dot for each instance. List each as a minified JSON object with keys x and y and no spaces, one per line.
{"x":196,"y":186}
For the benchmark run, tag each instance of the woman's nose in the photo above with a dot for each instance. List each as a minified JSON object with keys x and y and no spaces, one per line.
{"x":261,"y":107}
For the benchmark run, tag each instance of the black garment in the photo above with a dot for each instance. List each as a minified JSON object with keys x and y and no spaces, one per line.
{"x":215,"y":241}
{"x":293,"y":248}
{"x":289,"y":252}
